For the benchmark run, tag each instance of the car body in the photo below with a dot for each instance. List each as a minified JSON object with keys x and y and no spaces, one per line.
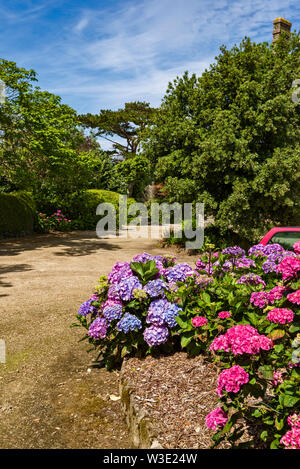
{"x":285,"y":236}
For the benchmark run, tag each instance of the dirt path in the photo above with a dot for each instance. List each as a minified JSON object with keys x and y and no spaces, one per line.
{"x":50,"y":397}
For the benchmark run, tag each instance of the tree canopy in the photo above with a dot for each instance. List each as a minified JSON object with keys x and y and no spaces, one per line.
{"x":230,"y":138}
{"x":126,"y":123}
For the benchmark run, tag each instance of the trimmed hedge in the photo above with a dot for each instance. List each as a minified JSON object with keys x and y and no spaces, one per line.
{"x":17,"y":214}
{"x":84,"y":217}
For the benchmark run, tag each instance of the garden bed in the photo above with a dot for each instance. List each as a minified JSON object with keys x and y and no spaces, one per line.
{"x":166,"y":400}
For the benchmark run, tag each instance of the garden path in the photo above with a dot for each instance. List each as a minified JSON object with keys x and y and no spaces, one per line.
{"x":50,"y":395}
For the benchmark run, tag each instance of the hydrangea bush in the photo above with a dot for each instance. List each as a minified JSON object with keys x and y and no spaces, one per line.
{"x":240,"y":309}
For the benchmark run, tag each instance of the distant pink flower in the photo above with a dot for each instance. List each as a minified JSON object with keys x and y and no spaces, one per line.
{"x":297,"y":247}
{"x":294,"y":420}
{"x":224,"y":314}
{"x":280,"y":315}
{"x":199,"y":321}
{"x":217,"y":418}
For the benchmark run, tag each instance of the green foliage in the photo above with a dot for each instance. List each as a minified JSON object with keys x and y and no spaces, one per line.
{"x":130,"y":176}
{"x":17,"y":214}
{"x":230,"y":138}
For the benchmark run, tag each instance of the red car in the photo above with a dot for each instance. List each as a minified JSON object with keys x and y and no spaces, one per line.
{"x":284,"y":236}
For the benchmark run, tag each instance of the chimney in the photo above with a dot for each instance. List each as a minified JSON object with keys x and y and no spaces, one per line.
{"x":280,"y":25}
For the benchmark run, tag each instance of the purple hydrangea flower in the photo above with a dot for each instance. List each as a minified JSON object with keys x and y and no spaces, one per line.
{"x":113,"y":292}
{"x":170,"y":314}
{"x":144,"y":257}
{"x":251,"y":279}
{"x":234,"y":251}
{"x":271,"y":248}
{"x":120,"y":271}
{"x":98,"y":328}
{"x":87,"y":308}
{"x":126,"y":286}
{"x":156,"y":312}
{"x":156,"y":335}
{"x":200,"y":264}
{"x":112,"y":312}
{"x":155,"y":288}
{"x":257,"y":250}
{"x":268,"y":267}
{"x":129,"y":322}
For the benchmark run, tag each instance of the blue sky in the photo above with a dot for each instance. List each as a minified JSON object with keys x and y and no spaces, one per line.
{"x":101,"y":54}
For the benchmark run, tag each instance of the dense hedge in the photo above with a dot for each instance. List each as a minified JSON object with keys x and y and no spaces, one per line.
{"x":17,"y":214}
{"x":83,"y":213}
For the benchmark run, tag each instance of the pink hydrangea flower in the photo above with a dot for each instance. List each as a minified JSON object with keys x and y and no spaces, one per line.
{"x":294,"y":297}
{"x":224,"y":314}
{"x":217,"y":418}
{"x":276,"y":293}
{"x":289,"y":267}
{"x":260,"y":299}
{"x":280,"y":315}
{"x":232,"y":379}
{"x":291,"y":440}
{"x":277,"y":378}
{"x":297,"y":247}
{"x":199,"y":321}
{"x":294,"y":420}
{"x":241,"y":339}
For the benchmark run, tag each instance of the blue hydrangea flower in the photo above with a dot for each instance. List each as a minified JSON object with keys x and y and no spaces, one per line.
{"x":129,"y":322}
{"x":155,"y":288}
{"x":156,"y":312}
{"x":112,"y":312}
{"x":178,"y":273}
{"x":257,"y":250}
{"x":156,"y":335}
{"x":126,"y":286}
{"x":98,"y":328}
{"x":87,"y":308}
{"x":170,"y":314}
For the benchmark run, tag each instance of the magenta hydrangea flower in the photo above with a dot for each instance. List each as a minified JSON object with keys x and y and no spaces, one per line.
{"x":291,"y":440}
{"x":241,"y":339}
{"x":277,"y":378}
{"x":289,"y":267}
{"x":280,"y":315}
{"x":294,"y":297}
{"x":216,"y":419}
{"x":297,"y":247}
{"x":276,"y":293}
{"x":232,"y":379}
{"x":260,"y":299}
{"x":294,"y":420}
{"x":224,"y":314}
{"x":199,"y":321}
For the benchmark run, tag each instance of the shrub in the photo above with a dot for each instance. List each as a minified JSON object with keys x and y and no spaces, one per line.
{"x":17,"y":214}
{"x":239,"y":309}
{"x":82,"y":209}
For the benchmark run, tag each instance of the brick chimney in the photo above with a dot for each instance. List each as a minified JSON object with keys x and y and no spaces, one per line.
{"x":280,"y":25}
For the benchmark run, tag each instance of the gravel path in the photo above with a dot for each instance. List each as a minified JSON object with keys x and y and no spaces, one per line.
{"x":50,"y":397}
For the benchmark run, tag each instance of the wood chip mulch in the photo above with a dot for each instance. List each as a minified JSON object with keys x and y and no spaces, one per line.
{"x":177,"y":392}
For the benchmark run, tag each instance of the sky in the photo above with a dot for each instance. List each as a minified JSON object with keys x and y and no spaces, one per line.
{"x":100,"y":54}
